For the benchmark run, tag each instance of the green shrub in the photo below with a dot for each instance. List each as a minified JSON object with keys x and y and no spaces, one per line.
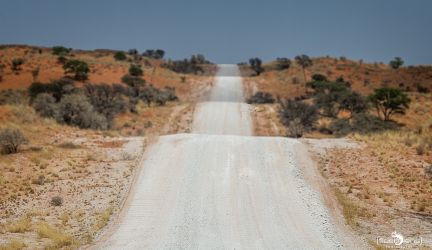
{"x":120,"y":56}
{"x":60,"y":51}
{"x":155,"y":54}
{"x":16,"y":64}
{"x":135,"y":70}
{"x":133,"y":81}
{"x":283,"y":63}
{"x":79,"y":69}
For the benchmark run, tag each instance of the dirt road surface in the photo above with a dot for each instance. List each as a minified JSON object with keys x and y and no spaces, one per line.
{"x":221,"y":188}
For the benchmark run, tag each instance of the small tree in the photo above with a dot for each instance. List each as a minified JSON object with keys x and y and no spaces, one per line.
{"x":283,"y":63}
{"x":304,"y":61}
{"x":256,"y":65}
{"x":80,"y":69}
{"x":353,"y":102}
{"x":135,"y":70}
{"x":133,"y":52}
{"x":120,"y":56}
{"x":11,"y":140}
{"x":396,"y":63}
{"x":389,"y":101}
{"x":159,"y":54}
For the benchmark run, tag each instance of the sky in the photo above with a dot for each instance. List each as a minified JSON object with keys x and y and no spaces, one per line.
{"x":228,"y":31}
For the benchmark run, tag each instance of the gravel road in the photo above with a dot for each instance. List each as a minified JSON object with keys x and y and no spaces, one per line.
{"x":221,"y":188}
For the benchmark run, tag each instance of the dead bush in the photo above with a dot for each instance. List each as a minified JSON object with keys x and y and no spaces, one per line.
{"x":261,"y":97}
{"x":56,"y":201}
{"x":11,"y":140}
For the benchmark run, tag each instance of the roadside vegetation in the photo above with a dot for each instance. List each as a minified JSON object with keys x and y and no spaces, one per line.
{"x":385,"y":109}
{"x":62,"y":113}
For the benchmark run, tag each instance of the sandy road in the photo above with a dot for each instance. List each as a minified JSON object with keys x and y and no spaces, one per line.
{"x":221,"y":188}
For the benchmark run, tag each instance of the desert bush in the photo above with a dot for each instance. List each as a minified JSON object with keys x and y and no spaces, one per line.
{"x":361,"y":123}
{"x":16,"y":64}
{"x":256,"y":65}
{"x":56,"y":201}
{"x":78,"y":68}
{"x":306,"y":115}
{"x":283,"y":63}
{"x":155,"y":54}
{"x":422,"y":89}
{"x":45,"y":105}
{"x":151,"y":94}
{"x":133,"y":81}
{"x":120,"y":56}
{"x":332,"y":97}
{"x":106,"y":100}
{"x":319,"y":78}
{"x":421,"y":149}
{"x":396,"y":63}
{"x":187,"y":66}
{"x":39,"y":181}
{"x":56,"y":88}
{"x":13,"y":97}
{"x":60,"y":51}
{"x":61,"y":60}
{"x":133,"y":52}
{"x":353,"y":102}
{"x":75,"y":109}
{"x":135,"y":70}
{"x":340,"y":127}
{"x":11,"y":140}
{"x":428,"y":170}
{"x":389,"y":101}
{"x":261,"y":97}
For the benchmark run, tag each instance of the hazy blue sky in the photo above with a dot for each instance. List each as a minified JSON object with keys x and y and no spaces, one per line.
{"x":228,"y":31}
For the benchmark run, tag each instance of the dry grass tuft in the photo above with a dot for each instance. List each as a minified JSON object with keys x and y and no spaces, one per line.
{"x":350,"y":210}
{"x":20,"y":226}
{"x":14,"y":244}
{"x":103,"y":219}
{"x":58,"y":238}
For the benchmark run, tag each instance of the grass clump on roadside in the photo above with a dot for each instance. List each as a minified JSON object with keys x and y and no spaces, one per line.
{"x":350,"y":210}
{"x":13,"y":244}
{"x":103,"y":219}
{"x":20,"y":226}
{"x":58,"y":238}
